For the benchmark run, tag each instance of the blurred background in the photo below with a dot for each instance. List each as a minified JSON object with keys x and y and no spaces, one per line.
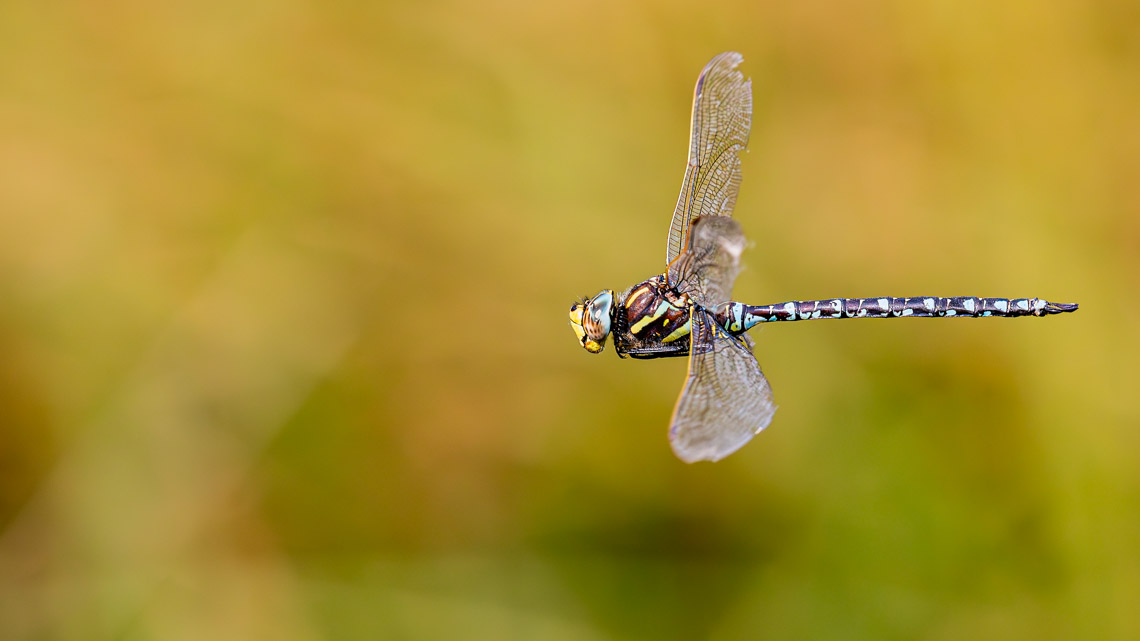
{"x":284,"y":350}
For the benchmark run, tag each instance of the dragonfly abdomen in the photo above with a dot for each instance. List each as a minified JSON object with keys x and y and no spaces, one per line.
{"x":738,"y":317}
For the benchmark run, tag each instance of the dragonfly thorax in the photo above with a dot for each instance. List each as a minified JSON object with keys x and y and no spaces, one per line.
{"x":591,"y":320}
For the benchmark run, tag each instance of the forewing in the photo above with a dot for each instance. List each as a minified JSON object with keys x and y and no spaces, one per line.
{"x":709,"y":265}
{"x":722,"y":117}
{"x":726,"y":399}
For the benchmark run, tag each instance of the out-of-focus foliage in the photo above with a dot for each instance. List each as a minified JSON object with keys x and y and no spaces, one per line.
{"x":284,"y":353}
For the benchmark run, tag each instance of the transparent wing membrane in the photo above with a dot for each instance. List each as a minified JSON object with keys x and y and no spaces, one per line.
{"x":708,"y":267}
{"x":722,"y":117}
{"x":726,"y":399}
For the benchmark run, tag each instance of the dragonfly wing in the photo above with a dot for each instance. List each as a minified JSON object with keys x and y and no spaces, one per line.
{"x":709,"y":265}
{"x":722,"y":117}
{"x":726,"y":399}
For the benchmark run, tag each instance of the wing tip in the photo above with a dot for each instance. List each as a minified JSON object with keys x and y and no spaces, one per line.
{"x":729,"y":60}
{"x":708,"y":453}
{"x":712,"y":452}
{"x":732,"y":57}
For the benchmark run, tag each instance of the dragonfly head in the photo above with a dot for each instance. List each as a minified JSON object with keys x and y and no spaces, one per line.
{"x":591,"y":321}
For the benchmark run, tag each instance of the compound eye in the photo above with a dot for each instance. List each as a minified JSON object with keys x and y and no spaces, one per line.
{"x":596,"y":314}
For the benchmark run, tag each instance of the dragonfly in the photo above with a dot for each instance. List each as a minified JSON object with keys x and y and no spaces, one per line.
{"x":687,"y":310}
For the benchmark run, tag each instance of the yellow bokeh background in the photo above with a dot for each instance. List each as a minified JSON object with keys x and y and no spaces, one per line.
{"x":284,"y":351}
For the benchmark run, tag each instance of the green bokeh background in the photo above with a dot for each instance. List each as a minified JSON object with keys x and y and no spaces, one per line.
{"x":283,"y":339}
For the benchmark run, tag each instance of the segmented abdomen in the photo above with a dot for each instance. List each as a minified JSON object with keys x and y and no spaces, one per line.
{"x":738,"y":317}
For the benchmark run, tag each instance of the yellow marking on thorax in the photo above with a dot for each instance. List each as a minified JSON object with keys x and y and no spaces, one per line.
{"x":662,"y":307}
{"x":679,"y":332}
{"x":641,"y":291}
